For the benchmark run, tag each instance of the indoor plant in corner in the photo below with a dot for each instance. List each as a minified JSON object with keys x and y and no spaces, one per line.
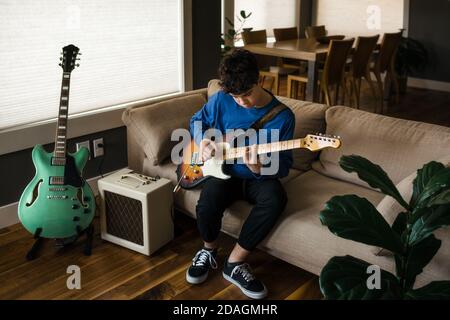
{"x":411,"y":56}
{"x":410,"y":238}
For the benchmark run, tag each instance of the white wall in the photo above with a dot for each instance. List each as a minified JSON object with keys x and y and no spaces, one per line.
{"x":359,"y":17}
{"x":267,"y":14}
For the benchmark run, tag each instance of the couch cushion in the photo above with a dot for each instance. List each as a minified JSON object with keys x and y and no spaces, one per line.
{"x":398,"y":146}
{"x":152,"y":126}
{"x":186,"y":200}
{"x":213,"y":87}
{"x":390,"y":208}
{"x":309,"y":118}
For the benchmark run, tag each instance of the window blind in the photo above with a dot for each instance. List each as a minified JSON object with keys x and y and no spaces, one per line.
{"x":354,"y":18}
{"x":131,"y":50}
{"x":267,"y":14}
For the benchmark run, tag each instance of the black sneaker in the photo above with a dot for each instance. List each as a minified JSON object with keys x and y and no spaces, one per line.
{"x":240,"y":274}
{"x":203,"y":260}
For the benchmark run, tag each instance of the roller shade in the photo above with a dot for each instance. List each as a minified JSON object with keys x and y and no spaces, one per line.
{"x":131,"y":50}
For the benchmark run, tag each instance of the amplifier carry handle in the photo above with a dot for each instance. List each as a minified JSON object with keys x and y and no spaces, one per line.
{"x":130,"y":175}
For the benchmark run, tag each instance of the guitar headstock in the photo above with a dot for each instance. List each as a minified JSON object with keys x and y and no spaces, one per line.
{"x":316,"y":142}
{"x":69,"y":58}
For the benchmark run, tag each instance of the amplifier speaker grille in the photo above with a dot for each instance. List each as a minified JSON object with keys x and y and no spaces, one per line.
{"x":124,"y":217}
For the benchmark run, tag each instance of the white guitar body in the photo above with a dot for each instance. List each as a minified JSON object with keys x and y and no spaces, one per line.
{"x":213,"y":166}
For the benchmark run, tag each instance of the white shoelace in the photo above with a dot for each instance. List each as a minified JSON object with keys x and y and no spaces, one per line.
{"x":202,"y":256}
{"x":245,"y":270}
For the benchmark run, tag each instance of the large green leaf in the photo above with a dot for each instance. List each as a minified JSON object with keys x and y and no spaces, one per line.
{"x":435,"y":290}
{"x":429,"y":219}
{"x":373,"y":174}
{"x":346,"y":278}
{"x":432,"y":178}
{"x":418,"y":257}
{"x":355,"y":218}
{"x":399,"y":225}
{"x":441,"y":198}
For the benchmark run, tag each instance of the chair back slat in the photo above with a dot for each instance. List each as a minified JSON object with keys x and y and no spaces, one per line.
{"x":389,"y":45}
{"x":361,"y":56}
{"x":258,"y":36}
{"x":282,"y":34}
{"x":338,"y":51}
{"x":315,"y":31}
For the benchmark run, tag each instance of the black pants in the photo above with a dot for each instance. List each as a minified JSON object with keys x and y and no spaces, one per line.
{"x":268,"y":197}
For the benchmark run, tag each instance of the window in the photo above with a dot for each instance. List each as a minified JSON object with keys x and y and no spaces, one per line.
{"x":367,"y":17}
{"x":131,"y":50}
{"x":267,"y":14}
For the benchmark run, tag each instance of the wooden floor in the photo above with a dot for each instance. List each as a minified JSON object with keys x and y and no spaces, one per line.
{"x":113,"y":272}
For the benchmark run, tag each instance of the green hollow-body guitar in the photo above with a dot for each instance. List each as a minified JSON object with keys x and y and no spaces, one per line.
{"x":58,"y":203}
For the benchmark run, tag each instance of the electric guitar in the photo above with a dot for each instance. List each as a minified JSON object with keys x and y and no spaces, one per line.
{"x":193,"y":172}
{"x":58,"y":203}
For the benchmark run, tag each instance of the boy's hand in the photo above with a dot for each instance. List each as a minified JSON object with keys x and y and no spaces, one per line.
{"x":207,"y":149}
{"x":251,"y":159}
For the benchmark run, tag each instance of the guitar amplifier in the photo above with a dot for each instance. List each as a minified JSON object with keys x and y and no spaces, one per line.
{"x":136,"y":211}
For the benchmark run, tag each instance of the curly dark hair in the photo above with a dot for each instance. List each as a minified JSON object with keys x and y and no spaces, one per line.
{"x":238,"y":72}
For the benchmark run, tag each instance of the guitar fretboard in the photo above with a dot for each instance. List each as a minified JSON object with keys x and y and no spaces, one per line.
{"x":264,"y":148}
{"x":61,"y":126}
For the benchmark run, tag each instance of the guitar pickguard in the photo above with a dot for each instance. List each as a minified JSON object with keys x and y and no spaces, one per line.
{"x":71,"y":176}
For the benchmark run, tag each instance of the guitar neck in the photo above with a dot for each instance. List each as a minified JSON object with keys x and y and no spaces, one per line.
{"x":61,"y":126}
{"x":264,"y":148}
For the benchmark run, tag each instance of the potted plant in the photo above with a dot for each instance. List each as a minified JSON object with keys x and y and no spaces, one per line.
{"x":232,"y":35}
{"x":412,"y":56}
{"x":410,"y":237}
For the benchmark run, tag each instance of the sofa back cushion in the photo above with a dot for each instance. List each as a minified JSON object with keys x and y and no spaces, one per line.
{"x":398,"y":146}
{"x":213,"y":87}
{"x":309,"y":119}
{"x":152,"y":125}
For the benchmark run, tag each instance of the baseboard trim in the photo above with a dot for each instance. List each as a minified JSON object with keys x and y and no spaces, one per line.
{"x":429,"y":84}
{"x":8,"y":213}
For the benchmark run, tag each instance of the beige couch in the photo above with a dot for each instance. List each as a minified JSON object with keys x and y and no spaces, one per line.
{"x":399,"y":146}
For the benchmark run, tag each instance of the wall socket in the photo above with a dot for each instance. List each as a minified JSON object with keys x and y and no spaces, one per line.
{"x":98,"y":147}
{"x":84,"y":144}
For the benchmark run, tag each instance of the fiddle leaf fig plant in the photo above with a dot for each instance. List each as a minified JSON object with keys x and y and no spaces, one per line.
{"x":410,"y":238}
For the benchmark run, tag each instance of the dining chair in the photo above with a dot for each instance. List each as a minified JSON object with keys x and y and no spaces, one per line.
{"x":385,"y":62}
{"x":282,"y":34}
{"x":315,"y":31}
{"x":331,"y":75}
{"x":359,"y":67}
{"x":265,"y":70}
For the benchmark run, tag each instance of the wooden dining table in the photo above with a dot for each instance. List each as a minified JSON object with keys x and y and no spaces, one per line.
{"x":302,"y":49}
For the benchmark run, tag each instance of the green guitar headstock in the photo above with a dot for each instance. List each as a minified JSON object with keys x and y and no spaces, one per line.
{"x":69,"y":58}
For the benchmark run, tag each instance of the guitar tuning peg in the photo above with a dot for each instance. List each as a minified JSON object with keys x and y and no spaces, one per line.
{"x":78,"y":59}
{"x":79,"y":53}
{"x":60,"y":64}
{"x":77,"y":65}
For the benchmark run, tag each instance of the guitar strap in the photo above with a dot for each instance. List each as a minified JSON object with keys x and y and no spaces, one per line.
{"x":259,"y":124}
